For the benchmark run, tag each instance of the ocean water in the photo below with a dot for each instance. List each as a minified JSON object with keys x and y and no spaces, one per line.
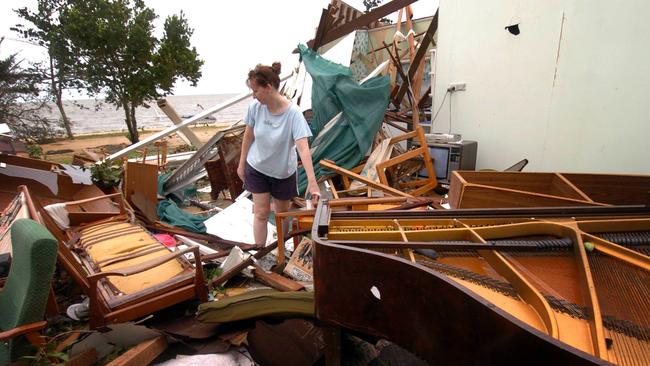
{"x":90,"y":116}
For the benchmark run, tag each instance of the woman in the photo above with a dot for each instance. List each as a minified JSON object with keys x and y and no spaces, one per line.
{"x":275,"y":127}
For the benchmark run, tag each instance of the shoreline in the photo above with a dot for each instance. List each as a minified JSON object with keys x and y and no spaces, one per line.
{"x":61,"y":150}
{"x":143,"y":130}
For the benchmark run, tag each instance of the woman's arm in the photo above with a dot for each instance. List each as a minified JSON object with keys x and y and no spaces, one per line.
{"x":249,"y":136}
{"x":305,"y":157}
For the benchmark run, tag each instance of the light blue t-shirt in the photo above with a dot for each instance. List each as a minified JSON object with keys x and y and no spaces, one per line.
{"x":273,"y":151}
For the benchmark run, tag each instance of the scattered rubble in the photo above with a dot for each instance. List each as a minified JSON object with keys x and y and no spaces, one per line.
{"x":158,"y":249}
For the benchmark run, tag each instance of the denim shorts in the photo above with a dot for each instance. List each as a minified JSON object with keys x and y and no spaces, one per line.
{"x":280,"y":189}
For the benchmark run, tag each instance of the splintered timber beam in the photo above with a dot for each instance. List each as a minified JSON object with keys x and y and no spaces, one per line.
{"x":168,"y":131}
{"x":361,"y":21}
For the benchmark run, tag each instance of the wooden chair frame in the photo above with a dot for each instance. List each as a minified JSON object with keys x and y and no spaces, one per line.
{"x":423,"y":185}
{"x":105,"y":307}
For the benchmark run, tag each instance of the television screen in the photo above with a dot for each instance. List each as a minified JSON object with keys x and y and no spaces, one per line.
{"x":440,"y":156}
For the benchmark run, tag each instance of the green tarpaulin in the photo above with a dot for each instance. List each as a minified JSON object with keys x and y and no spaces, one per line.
{"x":362,"y":109}
{"x":171,"y":214}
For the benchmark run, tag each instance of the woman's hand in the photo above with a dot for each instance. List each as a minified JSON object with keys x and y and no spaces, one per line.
{"x":314,"y":191}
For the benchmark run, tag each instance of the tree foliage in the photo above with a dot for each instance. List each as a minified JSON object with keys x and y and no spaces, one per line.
{"x":57,"y":74}
{"x":118,"y":55}
{"x":371,"y":4}
{"x":20,"y":103}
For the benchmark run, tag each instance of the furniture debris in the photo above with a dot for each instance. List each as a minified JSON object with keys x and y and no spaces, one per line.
{"x":15,"y":209}
{"x":69,"y":213}
{"x":469,"y":189}
{"x":24,"y":296}
{"x":417,"y":60}
{"x":234,"y":259}
{"x":492,"y":264}
{"x":378,"y":155}
{"x":382,"y":187}
{"x":276,"y":281}
{"x":123,"y":269}
{"x":142,"y":354}
{"x":258,"y":303}
{"x":420,"y":186}
{"x":193,"y":169}
{"x":140,"y":188}
{"x":159,"y":159}
{"x":222,"y":172}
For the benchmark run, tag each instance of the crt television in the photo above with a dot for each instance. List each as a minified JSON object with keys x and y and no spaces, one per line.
{"x":450,"y":156}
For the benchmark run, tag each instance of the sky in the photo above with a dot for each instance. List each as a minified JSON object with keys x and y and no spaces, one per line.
{"x":230,"y":36}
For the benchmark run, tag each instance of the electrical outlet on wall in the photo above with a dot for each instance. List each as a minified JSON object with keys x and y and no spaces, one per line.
{"x":454,"y":87}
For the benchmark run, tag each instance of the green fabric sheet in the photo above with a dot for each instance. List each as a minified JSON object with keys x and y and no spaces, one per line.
{"x":362,"y":107}
{"x":170,"y":213}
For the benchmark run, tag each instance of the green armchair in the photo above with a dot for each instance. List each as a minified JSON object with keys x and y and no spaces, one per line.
{"x":26,"y":290}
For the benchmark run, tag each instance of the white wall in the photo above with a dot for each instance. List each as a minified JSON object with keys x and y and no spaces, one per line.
{"x":571,"y":92}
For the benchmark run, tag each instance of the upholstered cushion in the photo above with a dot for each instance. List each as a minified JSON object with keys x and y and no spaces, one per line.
{"x":117,"y":245}
{"x":24,"y":296}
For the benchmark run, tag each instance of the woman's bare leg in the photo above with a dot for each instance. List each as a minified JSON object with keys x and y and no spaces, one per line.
{"x":261,"y":212}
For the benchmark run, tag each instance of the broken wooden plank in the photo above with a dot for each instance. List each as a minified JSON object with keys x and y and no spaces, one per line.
{"x":141,"y":188}
{"x":276,"y":281}
{"x":142,"y":354}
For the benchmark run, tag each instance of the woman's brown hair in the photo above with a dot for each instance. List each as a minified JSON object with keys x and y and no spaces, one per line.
{"x":265,"y":75}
